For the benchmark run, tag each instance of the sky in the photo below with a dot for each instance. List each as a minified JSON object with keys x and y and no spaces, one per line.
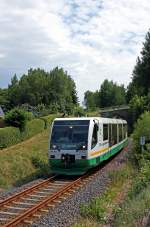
{"x":91,"y":39}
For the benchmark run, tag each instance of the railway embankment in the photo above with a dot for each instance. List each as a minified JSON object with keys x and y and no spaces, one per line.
{"x":126,"y":201}
{"x":24,"y":162}
{"x":67,"y":212}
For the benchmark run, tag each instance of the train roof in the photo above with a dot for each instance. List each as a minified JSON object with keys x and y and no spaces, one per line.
{"x":100,"y":119}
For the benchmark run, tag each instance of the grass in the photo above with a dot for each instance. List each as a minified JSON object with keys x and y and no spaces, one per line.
{"x":136,"y":206}
{"x":99,"y":210}
{"x":117,"y":206}
{"x":24,"y":161}
{"x":133,"y":211}
{"x":93,"y":114}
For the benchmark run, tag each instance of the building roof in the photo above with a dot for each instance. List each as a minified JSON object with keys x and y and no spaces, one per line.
{"x":1,"y":112}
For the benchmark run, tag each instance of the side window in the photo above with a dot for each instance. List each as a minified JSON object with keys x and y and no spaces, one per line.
{"x":125,"y":130}
{"x":94,"y":136}
{"x":105,"y":132}
{"x":120,"y":132}
{"x":114,"y":134}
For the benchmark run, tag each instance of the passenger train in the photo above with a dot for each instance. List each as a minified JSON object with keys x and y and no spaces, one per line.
{"x":78,"y":144}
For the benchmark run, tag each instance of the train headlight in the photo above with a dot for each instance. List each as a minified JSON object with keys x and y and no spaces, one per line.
{"x":54,"y":146}
{"x":81,"y":148}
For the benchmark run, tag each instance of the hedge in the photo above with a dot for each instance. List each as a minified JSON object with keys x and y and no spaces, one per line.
{"x":32,"y":128}
{"x":48,"y":120}
{"x":9,"y":136}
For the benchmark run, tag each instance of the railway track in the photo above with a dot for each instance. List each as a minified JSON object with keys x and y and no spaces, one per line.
{"x":29,"y":204}
{"x":25,"y":206}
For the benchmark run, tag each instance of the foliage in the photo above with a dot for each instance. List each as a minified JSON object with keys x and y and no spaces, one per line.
{"x":137,"y":106}
{"x":40,"y":165}
{"x":140,"y":84}
{"x":90,"y":100}
{"x":32,"y":128}
{"x":17,"y":118}
{"x":110,"y":94}
{"x":132,"y":211}
{"x":97,"y":210}
{"x":9,"y":136}
{"x":79,"y":111}
{"x":50,"y":91}
{"x":141,"y":128}
{"x":16,"y":162}
{"x":141,"y":181}
{"x":136,"y":206}
{"x":50,"y":118}
{"x":4,"y":102}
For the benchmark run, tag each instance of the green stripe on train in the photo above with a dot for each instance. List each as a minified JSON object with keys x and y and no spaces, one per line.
{"x":82,"y":165}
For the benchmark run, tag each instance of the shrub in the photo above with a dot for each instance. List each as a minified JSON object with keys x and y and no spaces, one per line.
{"x":17,"y":118}
{"x":45,"y":122}
{"x":50,"y":118}
{"x":79,"y":111}
{"x":40,"y":164}
{"x":12,"y":135}
{"x":32,"y":128}
{"x":29,"y":115}
{"x":141,"y":181}
{"x":9,"y":136}
{"x":141,"y":129}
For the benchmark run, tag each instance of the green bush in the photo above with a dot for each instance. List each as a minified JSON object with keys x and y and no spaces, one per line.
{"x":45,"y":122}
{"x":32,"y":128}
{"x":133,"y":211}
{"x":9,"y":136}
{"x":79,"y":111}
{"x":12,"y":135}
{"x":50,"y":118}
{"x":141,"y":181}
{"x":17,"y":118}
{"x":29,"y":115}
{"x":142,"y":128}
{"x":40,"y":164}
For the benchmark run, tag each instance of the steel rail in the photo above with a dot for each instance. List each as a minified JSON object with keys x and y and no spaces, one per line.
{"x":26,"y":191}
{"x":48,"y":200}
{"x":45,"y":202}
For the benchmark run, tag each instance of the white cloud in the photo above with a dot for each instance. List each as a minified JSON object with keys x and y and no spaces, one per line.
{"x":91,"y":39}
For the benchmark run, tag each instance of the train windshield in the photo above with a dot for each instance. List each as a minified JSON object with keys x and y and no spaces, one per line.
{"x":70,"y":135}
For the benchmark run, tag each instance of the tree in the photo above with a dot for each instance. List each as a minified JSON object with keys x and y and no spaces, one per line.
{"x":112,"y":94}
{"x":89,"y":100}
{"x":4,"y":99}
{"x":137,"y":106}
{"x":17,"y":118}
{"x":141,"y":74}
{"x":54,"y":89}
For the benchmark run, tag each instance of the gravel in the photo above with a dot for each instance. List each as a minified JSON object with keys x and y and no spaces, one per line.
{"x":67,"y":212}
{"x":6,"y":193}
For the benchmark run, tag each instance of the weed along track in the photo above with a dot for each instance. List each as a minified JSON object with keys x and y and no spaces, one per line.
{"x":32,"y":202}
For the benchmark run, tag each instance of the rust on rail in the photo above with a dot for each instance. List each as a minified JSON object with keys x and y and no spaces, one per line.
{"x":26,"y":191}
{"x":45,"y":202}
